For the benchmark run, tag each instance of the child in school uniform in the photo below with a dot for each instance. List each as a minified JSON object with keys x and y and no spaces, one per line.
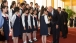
{"x":6,"y":24}
{"x":16,"y":24}
{"x":1,"y":36}
{"x":13,"y":5}
{"x":30,"y":24}
{"x":1,"y":29}
{"x":35,"y":25}
{"x":43,"y":24}
{"x":25,"y":24}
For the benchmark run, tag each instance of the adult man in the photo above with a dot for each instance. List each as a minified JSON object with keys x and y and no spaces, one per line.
{"x":65,"y":30}
{"x":61,"y":21}
{"x":54,"y":23}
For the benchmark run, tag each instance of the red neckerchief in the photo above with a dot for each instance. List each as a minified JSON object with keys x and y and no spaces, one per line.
{"x":18,"y":15}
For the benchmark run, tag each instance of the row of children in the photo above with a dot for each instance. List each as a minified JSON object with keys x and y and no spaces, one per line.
{"x":23,"y":19}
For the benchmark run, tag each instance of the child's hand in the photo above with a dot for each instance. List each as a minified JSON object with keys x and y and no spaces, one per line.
{"x":2,"y":33}
{"x":24,"y":28}
{"x":35,"y":27}
{"x":30,"y":27}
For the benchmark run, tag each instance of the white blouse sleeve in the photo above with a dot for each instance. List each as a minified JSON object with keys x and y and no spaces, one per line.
{"x":13,"y":19}
{"x":20,"y":11}
{"x":10,"y":14}
{"x":39,"y":16}
{"x":9,"y":22}
{"x":29,"y":20}
{"x":23,"y":20}
{"x":46,"y":19}
{"x":33,"y":21}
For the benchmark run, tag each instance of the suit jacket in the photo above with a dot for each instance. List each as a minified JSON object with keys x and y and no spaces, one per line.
{"x":55,"y":17}
{"x":62,"y":18}
{"x":66,"y":17}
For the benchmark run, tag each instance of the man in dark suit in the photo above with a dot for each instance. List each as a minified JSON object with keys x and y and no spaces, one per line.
{"x":61,"y":21}
{"x":65,"y":30}
{"x":54,"y":23}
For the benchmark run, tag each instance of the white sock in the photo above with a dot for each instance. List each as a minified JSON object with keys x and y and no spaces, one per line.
{"x":30,"y":40}
{"x":35,"y":39}
{"x":25,"y":42}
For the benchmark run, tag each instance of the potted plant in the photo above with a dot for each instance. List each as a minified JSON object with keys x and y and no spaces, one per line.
{"x":69,"y":11}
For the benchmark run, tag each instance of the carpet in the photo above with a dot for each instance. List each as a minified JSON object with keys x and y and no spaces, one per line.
{"x":71,"y":38}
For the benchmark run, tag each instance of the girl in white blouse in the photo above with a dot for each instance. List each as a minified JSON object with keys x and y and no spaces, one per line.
{"x":11,"y":13}
{"x":25,"y":24}
{"x":43,"y":24}
{"x":30,"y":24}
{"x":35,"y":25}
{"x":16,"y":24}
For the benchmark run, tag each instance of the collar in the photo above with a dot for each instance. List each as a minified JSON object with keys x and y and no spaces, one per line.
{"x":4,"y":15}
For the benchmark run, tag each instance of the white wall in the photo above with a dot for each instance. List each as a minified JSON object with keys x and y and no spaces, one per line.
{"x":55,"y":4}
{"x":58,"y":3}
{"x":74,"y":9}
{"x":49,"y":3}
{"x":44,"y":3}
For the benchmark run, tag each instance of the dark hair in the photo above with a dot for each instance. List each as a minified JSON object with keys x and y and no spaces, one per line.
{"x":3,"y":7}
{"x":27,"y":4}
{"x":41,"y":10}
{"x":59,"y":7}
{"x":31,"y":2}
{"x":63,"y":9}
{"x":3,"y":3}
{"x":30,"y":9}
{"x":13,"y":3}
{"x":36,"y":3}
{"x":25,"y":9}
{"x":16,"y":9}
{"x":34,"y":11}
{"x":22,"y":4}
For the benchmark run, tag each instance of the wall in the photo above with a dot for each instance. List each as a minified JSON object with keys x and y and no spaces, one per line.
{"x":71,"y":4}
{"x":40,"y":2}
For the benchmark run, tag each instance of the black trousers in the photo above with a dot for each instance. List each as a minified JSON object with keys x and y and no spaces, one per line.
{"x":56,"y":33}
{"x":65,"y":31}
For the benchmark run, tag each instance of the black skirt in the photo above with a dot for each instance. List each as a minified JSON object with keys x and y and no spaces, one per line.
{"x":49,"y":25}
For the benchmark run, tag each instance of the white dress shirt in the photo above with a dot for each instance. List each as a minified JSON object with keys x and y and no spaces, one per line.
{"x":23,"y":20}
{"x":46,"y":19}
{"x":13,"y":19}
{"x":29,"y":20}
{"x":34,"y":20}
{"x":39,"y":16}
{"x":52,"y":12}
